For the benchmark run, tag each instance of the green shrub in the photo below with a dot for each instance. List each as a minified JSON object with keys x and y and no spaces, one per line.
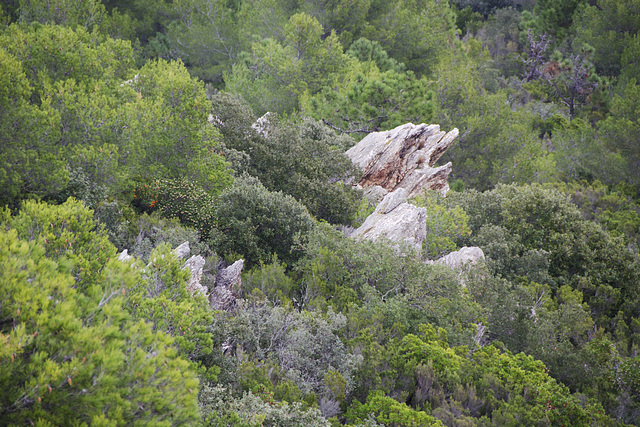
{"x":444,"y":225}
{"x":70,"y":353}
{"x":177,"y":198}
{"x":256,"y":223}
{"x":303,"y":159}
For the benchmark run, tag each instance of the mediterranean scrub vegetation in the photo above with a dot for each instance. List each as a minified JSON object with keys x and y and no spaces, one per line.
{"x":140,"y":125}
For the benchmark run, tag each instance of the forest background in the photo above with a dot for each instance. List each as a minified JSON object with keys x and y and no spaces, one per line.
{"x":129,"y":124}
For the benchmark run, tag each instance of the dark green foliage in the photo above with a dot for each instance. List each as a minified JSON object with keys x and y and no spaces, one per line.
{"x":90,"y":125}
{"x":497,"y":143}
{"x":617,"y":132}
{"x":380,"y":287}
{"x":29,"y":164}
{"x":303,"y":160}
{"x":271,"y":281}
{"x":180,"y":199}
{"x":485,"y":7}
{"x":149,"y":231}
{"x":279,"y":71}
{"x":554,"y":17}
{"x":489,"y":385}
{"x":501,"y":35}
{"x":609,"y":26}
{"x":206,"y":35}
{"x":374,"y":93}
{"x":325,"y":330}
{"x":256,"y":223}
{"x":414,"y":32}
{"x":367,"y":51}
{"x":536,"y":234}
{"x":614,"y":208}
{"x":88,"y":14}
{"x":370,"y":100}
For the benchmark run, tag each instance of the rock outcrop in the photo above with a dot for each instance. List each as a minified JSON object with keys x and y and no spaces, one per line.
{"x":227,"y":288}
{"x":464,"y":256}
{"x":183,"y":250}
{"x":124,"y":256}
{"x":263,"y":124}
{"x":228,"y":283}
{"x":396,"y":220}
{"x":195,"y":264}
{"x":403,"y":158}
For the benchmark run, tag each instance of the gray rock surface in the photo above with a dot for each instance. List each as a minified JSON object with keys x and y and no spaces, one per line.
{"x":395,"y":220}
{"x":182,"y":251}
{"x":195,"y":264}
{"x":263,"y":124}
{"x":228,"y":287}
{"x":466,"y":255}
{"x":403,"y":158}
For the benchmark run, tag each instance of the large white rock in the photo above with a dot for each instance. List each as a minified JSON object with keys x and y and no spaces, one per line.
{"x":403,"y":158}
{"x":395,"y":220}
{"x":124,"y":256}
{"x":182,"y":251}
{"x":466,"y":255}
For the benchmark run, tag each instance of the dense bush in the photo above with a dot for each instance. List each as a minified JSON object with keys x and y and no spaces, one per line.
{"x":70,"y":352}
{"x":256,"y":223}
{"x":536,"y":234}
{"x":305,"y":160}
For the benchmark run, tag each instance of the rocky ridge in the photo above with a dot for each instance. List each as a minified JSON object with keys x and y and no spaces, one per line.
{"x":397,"y":165}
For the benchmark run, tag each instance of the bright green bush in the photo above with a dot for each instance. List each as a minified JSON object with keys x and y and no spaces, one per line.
{"x":444,"y":226}
{"x":71,"y":353}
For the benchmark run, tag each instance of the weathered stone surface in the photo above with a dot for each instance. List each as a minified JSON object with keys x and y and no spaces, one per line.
{"x":263,"y":124}
{"x":182,"y":251}
{"x":466,"y":255}
{"x":124,"y":256}
{"x":196,"y":265}
{"x":396,"y":220}
{"x":374,"y":194}
{"x":228,"y":287}
{"x":404,"y":157}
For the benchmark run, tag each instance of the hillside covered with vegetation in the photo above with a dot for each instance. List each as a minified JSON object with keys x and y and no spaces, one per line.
{"x":132,"y":125}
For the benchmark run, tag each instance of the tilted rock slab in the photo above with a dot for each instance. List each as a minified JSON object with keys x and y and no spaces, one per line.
{"x":183,"y":250}
{"x":404,"y":157}
{"x":395,"y":220}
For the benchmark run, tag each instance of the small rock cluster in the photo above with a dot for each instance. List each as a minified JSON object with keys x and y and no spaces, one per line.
{"x":228,"y":283}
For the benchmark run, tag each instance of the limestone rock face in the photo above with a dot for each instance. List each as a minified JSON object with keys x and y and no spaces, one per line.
{"x":182,"y":251}
{"x":404,"y":157}
{"x":195,"y":264}
{"x":124,"y":256}
{"x":262,"y":124}
{"x":396,"y":220}
{"x":227,"y":288}
{"x":466,"y":255}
